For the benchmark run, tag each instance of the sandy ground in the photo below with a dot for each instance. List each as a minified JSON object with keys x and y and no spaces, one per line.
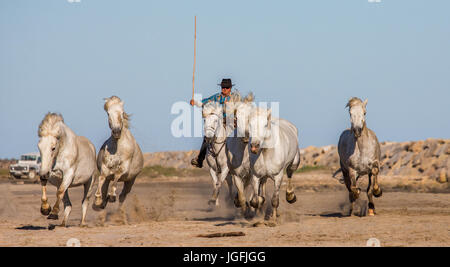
{"x":174,"y":211}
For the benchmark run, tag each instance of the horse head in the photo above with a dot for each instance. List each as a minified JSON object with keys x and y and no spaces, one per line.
{"x":213,"y":115}
{"x":260,"y":121}
{"x":50,"y":134}
{"x":240,"y":111}
{"x":357,"y":110}
{"x":117,"y":118}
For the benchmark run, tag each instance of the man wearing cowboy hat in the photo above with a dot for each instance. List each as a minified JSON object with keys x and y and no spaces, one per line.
{"x":221,"y":98}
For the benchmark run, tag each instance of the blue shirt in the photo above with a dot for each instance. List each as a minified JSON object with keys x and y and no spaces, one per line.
{"x":219,"y":98}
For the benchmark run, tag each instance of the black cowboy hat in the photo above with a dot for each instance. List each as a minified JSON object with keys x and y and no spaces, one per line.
{"x":226,"y":83}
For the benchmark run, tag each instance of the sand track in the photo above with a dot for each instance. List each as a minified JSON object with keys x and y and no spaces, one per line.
{"x":173,"y":212}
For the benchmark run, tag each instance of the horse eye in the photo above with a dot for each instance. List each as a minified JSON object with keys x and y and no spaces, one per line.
{"x":53,"y":148}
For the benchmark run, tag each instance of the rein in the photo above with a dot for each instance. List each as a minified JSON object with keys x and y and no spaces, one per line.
{"x":216,"y":154}
{"x":213,"y":152}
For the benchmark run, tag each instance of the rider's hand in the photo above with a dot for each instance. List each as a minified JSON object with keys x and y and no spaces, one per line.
{"x":192,"y":102}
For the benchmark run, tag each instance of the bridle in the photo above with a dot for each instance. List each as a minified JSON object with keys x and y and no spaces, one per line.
{"x":212,"y":149}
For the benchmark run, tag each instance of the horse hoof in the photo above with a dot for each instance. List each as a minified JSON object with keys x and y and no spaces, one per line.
{"x":262,"y":200}
{"x":52,"y":217}
{"x":257,"y":201}
{"x":97,"y":207}
{"x":293,"y":199}
{"x":46,"y":211}
{"x":211,"y":202}
{"x":237,"y":204}
{"x":112,"y":199}
{"x":371,"y":212}
{"x":378,"y":193}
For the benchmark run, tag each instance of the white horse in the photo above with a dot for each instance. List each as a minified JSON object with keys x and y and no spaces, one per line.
{"x":216,"y":136}
{"x":359,"y":153}
{"x":68,"y":160}
{"x":275,"y":143}
{"x":119,"y":159}
{"x":238,"y":149}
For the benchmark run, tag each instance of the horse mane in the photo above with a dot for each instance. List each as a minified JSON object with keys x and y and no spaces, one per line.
{"x":249,"y":98}
{"x":47,"y":126}
{"x":353,"y":102}
{"x":115,"y":100}
{"x":211,"y":108}
{"x":236,"y":97}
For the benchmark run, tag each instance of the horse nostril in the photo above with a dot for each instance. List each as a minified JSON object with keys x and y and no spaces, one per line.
{"x":254,"y":148}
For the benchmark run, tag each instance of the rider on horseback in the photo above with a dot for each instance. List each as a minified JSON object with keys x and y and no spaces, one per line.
{"x":222,"y":97}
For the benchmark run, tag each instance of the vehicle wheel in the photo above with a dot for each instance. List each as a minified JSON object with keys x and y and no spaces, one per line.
{"x":32,"y":176}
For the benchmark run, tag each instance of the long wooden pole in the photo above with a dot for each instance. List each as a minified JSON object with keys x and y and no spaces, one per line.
{"x":195,"y":40}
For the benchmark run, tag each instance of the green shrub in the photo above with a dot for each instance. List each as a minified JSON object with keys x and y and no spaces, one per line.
{"x":310,"y":168}
{"x":4,"y":172}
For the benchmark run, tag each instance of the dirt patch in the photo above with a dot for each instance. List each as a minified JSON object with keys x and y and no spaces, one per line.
{"x":174,"y":212}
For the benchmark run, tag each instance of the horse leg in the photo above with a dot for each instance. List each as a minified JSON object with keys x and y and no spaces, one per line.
{"x":66,"y":181}
{"x":105,"y":188}
{"x":348,"y":184}
{"x":67,"y":209}
{"x":377,"y":192}
{"x":257,"y":200}
{"x":262,"y":190}
{"x":127,"y":185}
{"x":290,"y":194}
{"x":276,"y":194}
{"x":45,"y":207}
{"x":222,"y":176}
{"x":262,"y":193}
{"x":229,"y":180}
{"x":98,"y":203}
{"x":353,"y":190}
{"x":239,"y":200}
{"x":370,"y":197}
{"x":214,"y":200}
{"x":85,"y":202}
{"x":112,"y":192}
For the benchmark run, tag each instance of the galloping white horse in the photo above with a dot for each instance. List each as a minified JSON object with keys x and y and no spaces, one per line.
{"x":216,"y":136}
{"x":68,"y":160}
{"x":237,"y":147}
{"x":359,"y":153}
{"x":119,"y":159}
{"x":275,"y":143}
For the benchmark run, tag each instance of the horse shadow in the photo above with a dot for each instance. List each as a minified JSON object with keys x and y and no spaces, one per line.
{"x":31,"y":228}
{"x":333,"y":215}
{"x":215,"y":219}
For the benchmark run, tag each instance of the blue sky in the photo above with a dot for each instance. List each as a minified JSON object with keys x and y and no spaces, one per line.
{"x":311,"y":56}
